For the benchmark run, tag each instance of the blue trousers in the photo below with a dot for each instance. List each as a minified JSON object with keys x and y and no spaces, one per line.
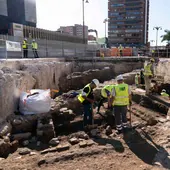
{"x":88,"y":118}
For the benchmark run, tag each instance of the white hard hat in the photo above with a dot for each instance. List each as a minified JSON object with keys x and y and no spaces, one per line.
{"x":96,"y":82}
{"x":164,"y":90}
{"x":120,"y":77}
{"x":25,"y":38}
{"x":33,"y":40}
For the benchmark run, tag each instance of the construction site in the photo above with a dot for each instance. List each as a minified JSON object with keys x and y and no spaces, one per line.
{"x":56,"y":138}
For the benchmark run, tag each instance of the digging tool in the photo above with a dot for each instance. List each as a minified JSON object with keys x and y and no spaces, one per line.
{"x":130,"y":111}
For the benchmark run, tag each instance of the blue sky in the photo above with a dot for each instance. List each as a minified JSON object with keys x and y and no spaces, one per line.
{"x":51,"y":14}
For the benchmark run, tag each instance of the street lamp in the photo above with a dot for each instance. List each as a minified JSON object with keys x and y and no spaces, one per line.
{"x":157,"y":29}
{"x":83,"y":1}
{"x":105,"y":21}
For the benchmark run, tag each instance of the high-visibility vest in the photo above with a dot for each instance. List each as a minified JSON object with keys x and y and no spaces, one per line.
{"x":147,"y":70}
{"x":137,"y":79}
{"x":24,"y":44}
{"x":120,"y":48}
{"x":108,"y":88}
{"x":80,"y":96}
{"x":34,"y":45}
{"x":121,"y":95}
{"x":164,"y":94}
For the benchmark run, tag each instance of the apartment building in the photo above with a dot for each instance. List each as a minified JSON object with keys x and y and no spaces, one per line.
{"x":128,"y":22}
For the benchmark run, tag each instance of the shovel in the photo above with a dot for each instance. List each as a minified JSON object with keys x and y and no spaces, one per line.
{"x":130,"y":111}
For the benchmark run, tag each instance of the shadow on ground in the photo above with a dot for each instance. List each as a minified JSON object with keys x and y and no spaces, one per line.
{"x":117,"y":145}
{"x":143,"y":146}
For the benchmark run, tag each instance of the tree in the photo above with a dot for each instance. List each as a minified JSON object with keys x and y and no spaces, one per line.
{"x":166,"y":37}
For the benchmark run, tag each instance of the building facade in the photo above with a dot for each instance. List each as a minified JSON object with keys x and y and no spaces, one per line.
{"x":76,"y":30}
{"x":17,"y":11}
{"x":128,"y":22}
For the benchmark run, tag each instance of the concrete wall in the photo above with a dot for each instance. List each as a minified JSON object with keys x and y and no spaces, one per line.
{"x":163,"y":70}
{"x":17,"y":76}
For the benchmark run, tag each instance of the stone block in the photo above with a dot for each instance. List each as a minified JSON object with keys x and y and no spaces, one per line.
{"x":83,"y":144}
{"x":4,"y":148}
{"x":54,"y":142}
{"x":74,"y":141}
{"x":5,"y":129}
{"x":63,"y":147}
{"x":24,"y":151}
{"x":90,"y":143}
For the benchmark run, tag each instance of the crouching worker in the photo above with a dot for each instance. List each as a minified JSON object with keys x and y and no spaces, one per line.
{"x":121,"y":98}
{"x":87,"y":99}
{"x":105,"y":96}
{"x":165,"y":94}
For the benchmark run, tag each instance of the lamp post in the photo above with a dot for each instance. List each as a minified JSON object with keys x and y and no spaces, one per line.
{"x":157,"y":29}
{"x":83,"y":20}
{"x":105,"y":21}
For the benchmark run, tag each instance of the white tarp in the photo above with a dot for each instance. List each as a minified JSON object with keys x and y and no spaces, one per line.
{"x":35,"y":102}
{"x":13,"y":46}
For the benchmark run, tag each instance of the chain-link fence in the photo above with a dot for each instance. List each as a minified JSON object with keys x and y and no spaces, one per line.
{"x":47,"y":48}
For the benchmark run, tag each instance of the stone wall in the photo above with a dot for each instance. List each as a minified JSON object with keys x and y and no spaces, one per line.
{"x":17,"y":76}
{"x":163,"y":70}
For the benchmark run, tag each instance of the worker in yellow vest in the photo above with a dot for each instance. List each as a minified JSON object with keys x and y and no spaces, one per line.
{"x":120,"y":50}
{"x":35,"y":48}
{"x":121,"y":98}
{"x":105,"y":95}
{"x":25,"y":48}
{"x":137,"y":80}
{"x":86,"y":97}
{"x":149,"y":74}
{"x":165,"y":94}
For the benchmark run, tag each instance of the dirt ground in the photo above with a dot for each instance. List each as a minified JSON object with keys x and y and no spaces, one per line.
{"x":144,"y":148}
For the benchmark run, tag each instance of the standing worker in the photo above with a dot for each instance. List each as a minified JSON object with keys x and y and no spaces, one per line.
{"x":87,"y":99}
{"x":120,"y":50}
{"x":34,"y":48}
{"x":137,"y":79}
{"x":149,"y":74}
{"x":25,"y":48}
{"x":105,"y":95}
{"x":121,"y":98}
{"x":142,"y":77}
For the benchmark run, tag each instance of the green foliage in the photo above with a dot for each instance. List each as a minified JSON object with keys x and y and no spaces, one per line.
{"x":166,"y":37}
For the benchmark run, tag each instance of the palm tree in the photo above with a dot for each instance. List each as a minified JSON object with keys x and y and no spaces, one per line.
{"x":166,"y":37}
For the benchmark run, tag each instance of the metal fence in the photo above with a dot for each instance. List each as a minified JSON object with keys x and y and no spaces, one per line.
{"x":48,"y":48}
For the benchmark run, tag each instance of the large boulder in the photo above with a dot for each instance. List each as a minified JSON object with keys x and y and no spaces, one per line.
{"x":4,"y":148}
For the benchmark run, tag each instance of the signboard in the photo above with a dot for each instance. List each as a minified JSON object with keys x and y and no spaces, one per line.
{"x":17,"y":30}
{"x":13,"y":46}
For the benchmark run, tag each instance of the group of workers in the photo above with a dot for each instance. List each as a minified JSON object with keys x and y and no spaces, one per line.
{"x":34,"y":46}
{"x":118,"y":97}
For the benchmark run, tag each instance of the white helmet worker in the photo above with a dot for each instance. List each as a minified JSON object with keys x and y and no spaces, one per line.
{"x":120,"y":77}
{"x":33,"y":40}
{"x":96,"y":82}
{"x":25,"y":39}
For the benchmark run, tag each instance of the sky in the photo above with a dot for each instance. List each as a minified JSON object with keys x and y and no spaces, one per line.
{"x":51,"y":14}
